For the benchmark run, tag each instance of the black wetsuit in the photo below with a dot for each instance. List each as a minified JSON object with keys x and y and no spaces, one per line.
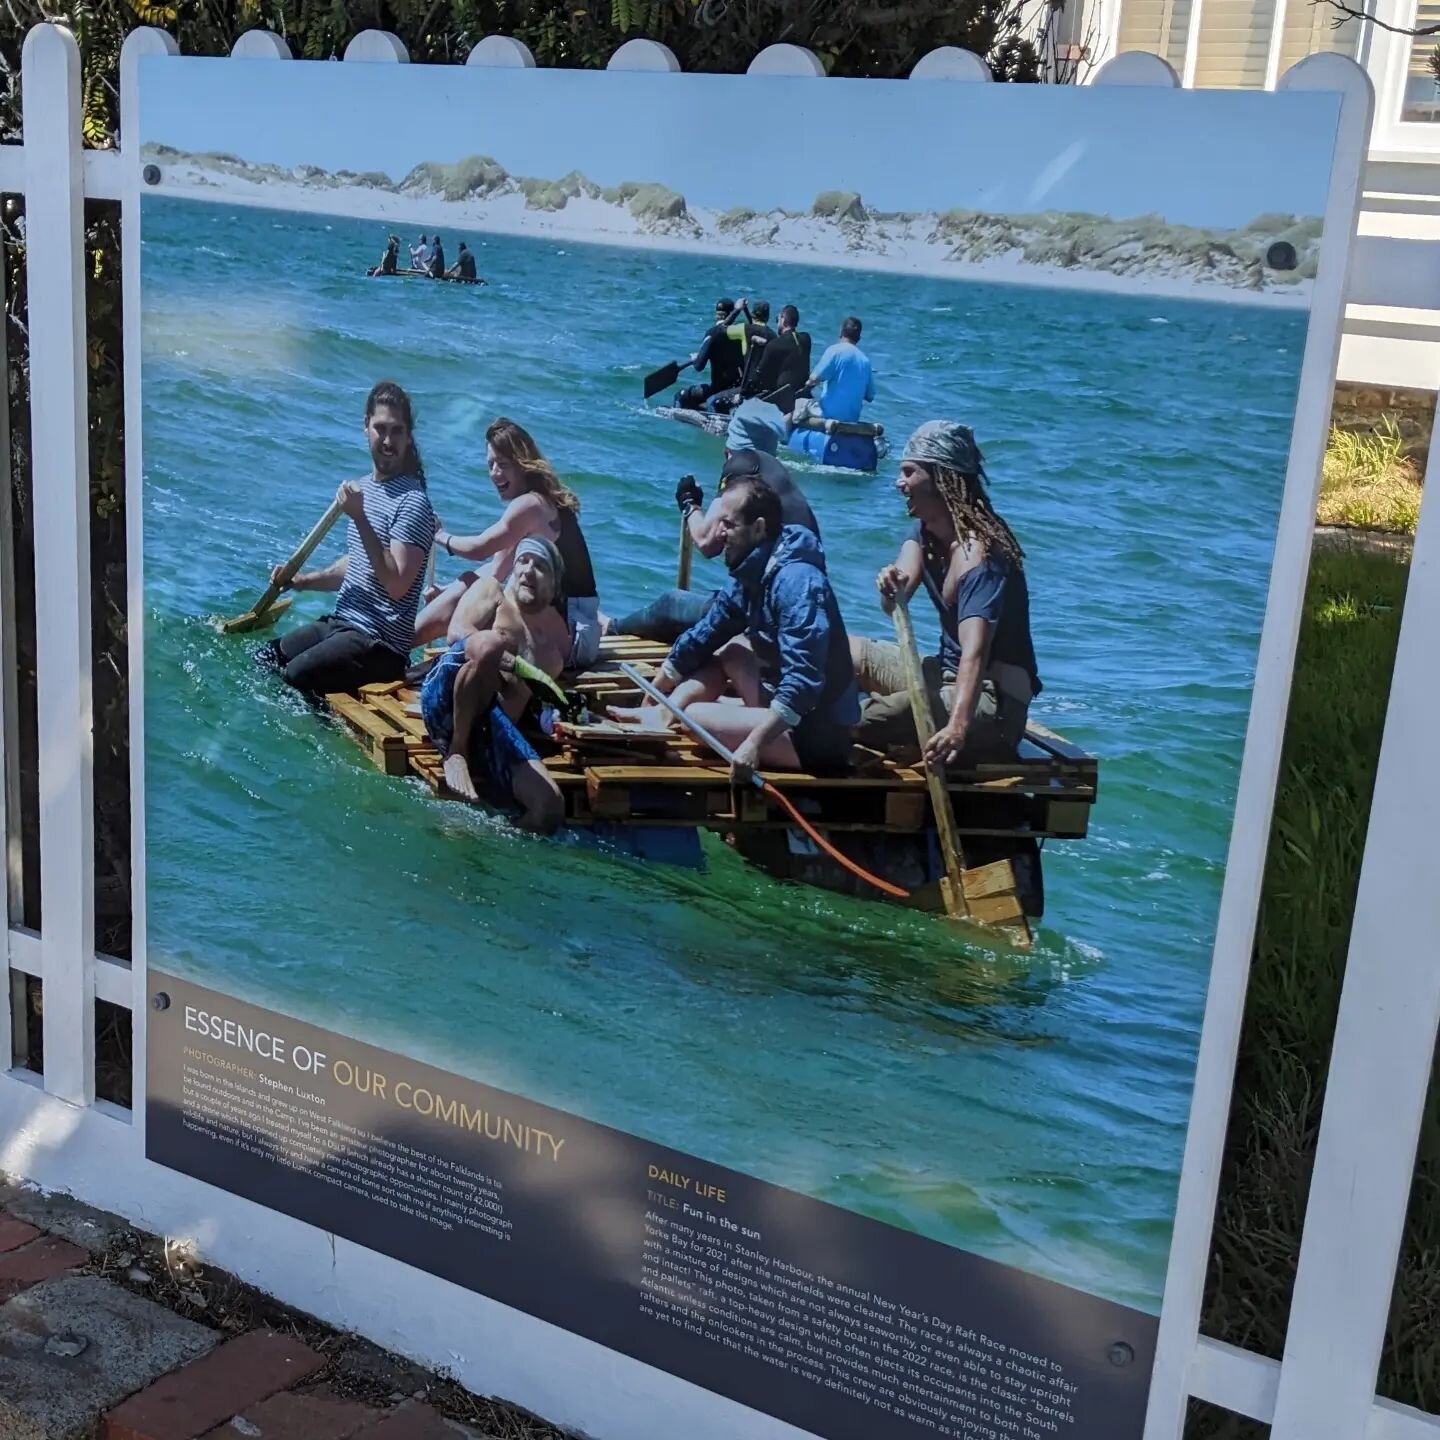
{"x":759,"y":340}
{"x":722,"y":352}
{"x":465,"y":264}
{"x":390,"y":261}
{"x":436,"y":267}
{"x":782,"y":370}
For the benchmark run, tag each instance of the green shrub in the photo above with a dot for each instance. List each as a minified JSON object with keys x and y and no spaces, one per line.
{"x":1368,"y":480}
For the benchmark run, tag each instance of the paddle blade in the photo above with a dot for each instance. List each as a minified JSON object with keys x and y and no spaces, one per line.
{"x":662,"y":379}
{"x":255,"y":619}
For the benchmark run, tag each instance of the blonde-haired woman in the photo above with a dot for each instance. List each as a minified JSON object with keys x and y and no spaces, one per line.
{"x":537,"y":502}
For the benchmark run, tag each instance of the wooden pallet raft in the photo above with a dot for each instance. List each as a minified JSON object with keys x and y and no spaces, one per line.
{"x":615,"y":774}
{"x":387,"y":743}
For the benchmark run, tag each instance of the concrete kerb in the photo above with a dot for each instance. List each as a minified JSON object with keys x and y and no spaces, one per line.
{"x":73,"y":1347}
{"x":95,"y":1323}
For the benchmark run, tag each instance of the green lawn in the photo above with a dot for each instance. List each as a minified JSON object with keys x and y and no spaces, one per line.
{"x":1342,"y":679}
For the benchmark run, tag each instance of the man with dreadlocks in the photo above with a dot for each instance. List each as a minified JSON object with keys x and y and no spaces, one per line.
{"x":973,"y":570}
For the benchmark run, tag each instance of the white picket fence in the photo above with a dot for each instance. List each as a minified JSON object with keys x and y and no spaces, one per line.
{"x":54,"y":1131}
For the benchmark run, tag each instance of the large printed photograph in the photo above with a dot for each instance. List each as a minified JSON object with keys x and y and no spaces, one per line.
{"x":748,"y":641}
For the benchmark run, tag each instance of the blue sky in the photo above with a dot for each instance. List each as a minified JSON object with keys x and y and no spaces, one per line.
{"x":1198,"y":157}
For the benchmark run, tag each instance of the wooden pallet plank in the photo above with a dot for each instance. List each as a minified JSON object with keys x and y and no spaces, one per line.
{"x":1056,"y":744}
{"x":987,"y":881}
{"x":906,"y":810}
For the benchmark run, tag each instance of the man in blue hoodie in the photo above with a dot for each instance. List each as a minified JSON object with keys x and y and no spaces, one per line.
{"x":774,"y":637}
{"x":754,"y":435}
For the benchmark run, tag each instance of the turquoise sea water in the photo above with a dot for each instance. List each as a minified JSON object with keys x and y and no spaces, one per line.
{"x":1032,"y":1113}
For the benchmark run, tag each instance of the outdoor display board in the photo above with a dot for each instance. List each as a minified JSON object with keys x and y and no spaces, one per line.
{"x":671,"y":1077}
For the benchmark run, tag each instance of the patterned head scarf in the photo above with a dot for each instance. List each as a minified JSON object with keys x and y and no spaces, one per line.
{"x":545,"y":551}
{"x":947,"y":444}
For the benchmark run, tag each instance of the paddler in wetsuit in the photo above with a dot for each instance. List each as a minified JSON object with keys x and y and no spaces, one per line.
{"x":973,"y":569}
{"x":722,"y":350}
{"x":436,"y":268}
{"x":782,"y":367}
{"x":756,"y":338}
{"x":464,"y":266}
{"x":390,"y":260}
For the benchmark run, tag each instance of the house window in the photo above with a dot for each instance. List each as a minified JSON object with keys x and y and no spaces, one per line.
{"x":1420,"y":99}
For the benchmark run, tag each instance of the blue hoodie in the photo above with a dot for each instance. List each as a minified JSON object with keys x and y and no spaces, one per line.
{"x":780,"y":597}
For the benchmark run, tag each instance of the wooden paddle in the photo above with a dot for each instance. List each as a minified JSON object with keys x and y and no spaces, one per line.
{"x":992,"y":885}
{"x":269,"y":607}
{"x":687,"y":554}
{"x":952,"y":886}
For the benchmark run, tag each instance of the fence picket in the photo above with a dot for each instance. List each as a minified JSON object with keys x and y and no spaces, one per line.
{"x":11,"y":861}
{"x":54,"y":254}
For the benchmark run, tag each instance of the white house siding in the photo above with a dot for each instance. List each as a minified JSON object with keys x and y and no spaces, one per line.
{"x":1392,"y":324}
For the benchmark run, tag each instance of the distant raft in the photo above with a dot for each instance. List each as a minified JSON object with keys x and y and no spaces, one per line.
{"x":376,"y":273}
{"x":846,"y":444}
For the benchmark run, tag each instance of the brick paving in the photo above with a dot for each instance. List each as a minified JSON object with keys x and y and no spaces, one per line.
{"x":261,"y":1385}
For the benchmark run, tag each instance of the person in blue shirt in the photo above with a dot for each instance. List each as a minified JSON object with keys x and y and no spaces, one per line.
{"x":846,"y":374}
{"x":846,"y":382}
{"x":774,"y":637}
{"x":973,"y":570}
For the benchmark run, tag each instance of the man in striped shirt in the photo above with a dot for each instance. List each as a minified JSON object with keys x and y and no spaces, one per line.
{"x":369,"y":636}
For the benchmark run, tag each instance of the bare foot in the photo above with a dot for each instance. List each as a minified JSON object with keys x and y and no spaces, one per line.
{"x":457,"y":778}
{"x":647,"y":717}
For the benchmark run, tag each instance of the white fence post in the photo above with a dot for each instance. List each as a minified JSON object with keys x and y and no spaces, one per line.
{"x":11,"y":873}
{"x":54,"y":253}
{"x":1384,"y":1051}
{"x":140,"y":42}
{"x":1250,"y":832}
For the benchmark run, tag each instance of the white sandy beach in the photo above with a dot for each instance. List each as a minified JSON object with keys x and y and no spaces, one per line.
{"x":913,"y":244}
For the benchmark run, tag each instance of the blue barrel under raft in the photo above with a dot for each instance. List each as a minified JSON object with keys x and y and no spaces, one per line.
{"x":844,"y":452}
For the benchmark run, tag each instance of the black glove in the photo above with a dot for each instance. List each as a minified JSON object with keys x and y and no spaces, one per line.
{"x":688,"y":493}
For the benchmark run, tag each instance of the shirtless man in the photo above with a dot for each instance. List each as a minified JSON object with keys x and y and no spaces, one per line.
{"x":537,"y":502}
{"x":472,"y":697}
